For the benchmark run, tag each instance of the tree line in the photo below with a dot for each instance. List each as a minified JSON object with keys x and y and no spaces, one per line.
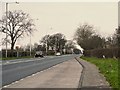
{"x":17,"y":24}
{"x":96,"y":45}
{"x":88,"y":39}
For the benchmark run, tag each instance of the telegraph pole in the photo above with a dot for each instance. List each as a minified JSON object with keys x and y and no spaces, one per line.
{"x":6,"y":27}
{"x":6,"y":5}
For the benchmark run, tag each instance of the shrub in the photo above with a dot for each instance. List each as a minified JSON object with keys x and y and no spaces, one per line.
{"x":107,"y":52}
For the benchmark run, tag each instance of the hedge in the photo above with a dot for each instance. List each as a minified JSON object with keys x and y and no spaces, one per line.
{"x":107,"y":52}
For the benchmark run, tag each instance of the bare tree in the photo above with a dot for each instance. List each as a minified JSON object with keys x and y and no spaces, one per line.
{"x":87,"y":38}
{"x":56,"y":41}
{"x":83,"y":34}
{"x":45,"y":39}
{"x":84,"y":31}
{"x":18,"y":24}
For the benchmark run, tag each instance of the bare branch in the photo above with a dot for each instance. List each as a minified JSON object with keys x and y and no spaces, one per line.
{"x":18,"y":24}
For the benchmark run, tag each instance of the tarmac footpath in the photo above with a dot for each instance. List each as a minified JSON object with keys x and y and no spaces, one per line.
{"x":91,"y":78}
{"x":63,"y":75}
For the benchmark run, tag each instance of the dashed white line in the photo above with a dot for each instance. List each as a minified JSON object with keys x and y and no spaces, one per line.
{"x":30,"y":76}
{"x":20,"y":61}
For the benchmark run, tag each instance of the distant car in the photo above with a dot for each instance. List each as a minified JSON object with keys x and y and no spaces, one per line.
{"x":39,"y":54}
{"x":58,"y":54}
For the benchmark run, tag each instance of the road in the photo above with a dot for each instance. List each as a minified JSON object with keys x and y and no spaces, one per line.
{"x":14,"y":70}
{"x":63,"y":75}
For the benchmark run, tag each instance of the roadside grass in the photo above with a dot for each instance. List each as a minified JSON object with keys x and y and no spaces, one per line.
{"x":12,"y":58}
{"x":108,"y":67}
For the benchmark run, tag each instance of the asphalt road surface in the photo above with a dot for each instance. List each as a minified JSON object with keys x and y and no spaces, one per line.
{"x":14,"y":70}
{"x":63,"y":75}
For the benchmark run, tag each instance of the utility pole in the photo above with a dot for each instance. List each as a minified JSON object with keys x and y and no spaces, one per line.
{"x":30,"y":44}
{"x":55,"y":45}
{"x":47,"y":41}
{"x":6,"y":27}
{"x":46,"y":45}
{"x":6,"y":4}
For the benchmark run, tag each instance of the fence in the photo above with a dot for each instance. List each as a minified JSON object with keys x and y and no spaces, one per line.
{"x":14,"y":53}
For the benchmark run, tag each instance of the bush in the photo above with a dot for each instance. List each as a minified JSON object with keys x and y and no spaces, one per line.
{"x":107,"y":52}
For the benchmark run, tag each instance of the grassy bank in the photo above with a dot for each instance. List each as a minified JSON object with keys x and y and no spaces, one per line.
{"x":12,"y":58}
{"x":108,"y":67}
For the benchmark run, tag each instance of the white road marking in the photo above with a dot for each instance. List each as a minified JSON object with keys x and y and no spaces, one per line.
{"x":6,"y":86}
{"x":32,"y":75}
{"x":21,"y":61}
{"x":52,"y":57}
{"x":7,"y":62}
{"x":33,"y":59}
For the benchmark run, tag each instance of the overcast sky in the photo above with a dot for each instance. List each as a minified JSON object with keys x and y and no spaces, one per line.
{"x":65,"y":17}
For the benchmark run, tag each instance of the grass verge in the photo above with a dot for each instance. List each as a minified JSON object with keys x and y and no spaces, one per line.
{"x":108,"y":67}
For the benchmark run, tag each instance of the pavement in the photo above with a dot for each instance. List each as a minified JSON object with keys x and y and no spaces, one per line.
{"x":91,"y":77}
{"x":63,"y":75}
